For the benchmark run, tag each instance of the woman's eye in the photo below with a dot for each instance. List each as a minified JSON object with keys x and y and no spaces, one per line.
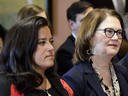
{"x":51,"y":42}
{"x":42,"y":42}
{"x":110,"y":31}
{"x":119,"y":32}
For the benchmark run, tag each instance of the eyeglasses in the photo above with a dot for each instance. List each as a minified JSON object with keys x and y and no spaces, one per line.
{"x":109,"y":32}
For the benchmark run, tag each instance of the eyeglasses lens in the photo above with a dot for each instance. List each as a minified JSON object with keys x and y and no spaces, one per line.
{"x":110,"y":33}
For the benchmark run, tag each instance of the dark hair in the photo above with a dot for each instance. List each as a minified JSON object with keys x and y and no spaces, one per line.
{"x":3,"y":32}
{"x":87,"y":31}
{"x":77,"y":8}
{"x":28,"y":10}
{"x":17,"y":54}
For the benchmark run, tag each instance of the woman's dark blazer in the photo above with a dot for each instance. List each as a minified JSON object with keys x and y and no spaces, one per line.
{"x":84,"y":82}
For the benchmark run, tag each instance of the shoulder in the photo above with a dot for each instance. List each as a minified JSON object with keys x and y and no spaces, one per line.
{"x":7,"y":88}
{"x":123,"y":70}
{"x":60,"y":84}
{"x":4,"y":81}
{"x":73,"y":72}
{"x":5,"y":85}
{"x":124,"y":61}
{"x":74,"y":78}
{"x":67,"y":87}
{"x":78,"y":70}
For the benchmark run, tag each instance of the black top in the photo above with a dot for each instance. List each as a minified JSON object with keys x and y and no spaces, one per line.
{"x":59,"y":88}
{"x":34,"y":92}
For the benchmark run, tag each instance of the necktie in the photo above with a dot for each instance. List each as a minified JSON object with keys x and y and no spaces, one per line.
{"x":120,"y":7}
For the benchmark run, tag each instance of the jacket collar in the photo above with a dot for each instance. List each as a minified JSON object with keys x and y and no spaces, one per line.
{"x":72,"y":38}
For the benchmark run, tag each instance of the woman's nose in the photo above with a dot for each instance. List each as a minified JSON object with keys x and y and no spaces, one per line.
{"x":115,"y":36}
{"x":50,"y":47}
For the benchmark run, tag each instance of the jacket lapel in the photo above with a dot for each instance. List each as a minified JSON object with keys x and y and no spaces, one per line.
{"x":92,"y":79}
{"x":55,"y":81}
{"x":95,"y":84}
{"x":122,"y":82}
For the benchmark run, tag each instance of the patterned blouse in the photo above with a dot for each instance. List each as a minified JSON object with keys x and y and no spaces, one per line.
{"x":115,"y":84}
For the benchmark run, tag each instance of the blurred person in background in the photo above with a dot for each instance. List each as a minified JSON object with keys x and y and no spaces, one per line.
{"x":30,"y":10}
{"x":75,"y":14}
{"x":119,"y":5}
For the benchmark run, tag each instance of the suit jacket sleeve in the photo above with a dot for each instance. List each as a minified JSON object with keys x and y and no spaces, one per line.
{"x":64,"y":62}
{"x":64,"y":55}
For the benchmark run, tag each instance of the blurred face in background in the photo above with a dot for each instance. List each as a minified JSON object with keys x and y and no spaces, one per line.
{"x":79,"y":18}
{"x":42,"y":14}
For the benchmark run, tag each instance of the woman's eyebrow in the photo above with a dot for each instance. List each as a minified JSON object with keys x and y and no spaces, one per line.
{"x":42,"y":39}
{"x":45,"y":38}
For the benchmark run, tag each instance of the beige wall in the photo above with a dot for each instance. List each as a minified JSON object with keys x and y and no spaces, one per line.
{"x":60,"y":25}
{"x":10,"y":8}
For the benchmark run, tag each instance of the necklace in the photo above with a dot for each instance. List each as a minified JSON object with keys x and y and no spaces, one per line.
{"x":45,"y":88}
{"x":46,"y":91}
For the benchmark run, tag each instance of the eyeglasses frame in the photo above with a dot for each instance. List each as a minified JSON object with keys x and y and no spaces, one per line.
{"x":123,"y":32}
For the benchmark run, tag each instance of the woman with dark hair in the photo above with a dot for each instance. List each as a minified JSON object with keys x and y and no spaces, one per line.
{"x":98,"y":41}
{"x":27,"y":61}
{"x":30,"y":10}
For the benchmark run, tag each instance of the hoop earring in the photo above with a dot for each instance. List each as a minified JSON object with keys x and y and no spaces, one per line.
{"x":89,"y":51}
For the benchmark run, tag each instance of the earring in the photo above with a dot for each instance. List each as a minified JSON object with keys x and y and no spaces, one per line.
{"x":89,"y":51}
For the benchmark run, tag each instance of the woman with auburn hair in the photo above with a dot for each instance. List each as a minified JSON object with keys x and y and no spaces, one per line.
{"x":98,"y":41}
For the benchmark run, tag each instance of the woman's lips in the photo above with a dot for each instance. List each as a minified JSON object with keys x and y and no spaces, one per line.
{"x":114,"y":45}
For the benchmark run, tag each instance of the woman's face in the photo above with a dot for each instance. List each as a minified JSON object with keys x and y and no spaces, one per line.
{"x":102,"y":45}
{"x":44,"y":54}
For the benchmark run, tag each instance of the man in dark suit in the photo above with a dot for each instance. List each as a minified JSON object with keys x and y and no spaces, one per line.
{"x":112,"y":4}
{"x":124,"y":60}
{"x":75,"y":14}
